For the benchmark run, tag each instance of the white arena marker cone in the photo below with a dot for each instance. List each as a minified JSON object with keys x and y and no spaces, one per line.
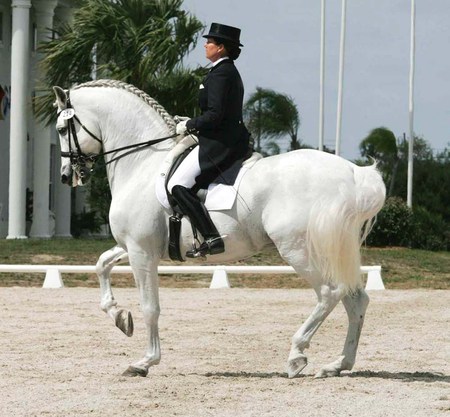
{"x":53,"y":279}
{"x":374,"y":281}
{"x":220,"y":279}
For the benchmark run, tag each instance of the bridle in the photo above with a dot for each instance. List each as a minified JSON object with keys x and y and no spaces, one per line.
{"x":79,"y":159}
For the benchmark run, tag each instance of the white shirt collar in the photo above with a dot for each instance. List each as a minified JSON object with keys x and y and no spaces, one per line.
{"x":220,"y":60}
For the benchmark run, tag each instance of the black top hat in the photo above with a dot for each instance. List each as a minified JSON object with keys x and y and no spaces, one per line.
{"x":224,"y":32}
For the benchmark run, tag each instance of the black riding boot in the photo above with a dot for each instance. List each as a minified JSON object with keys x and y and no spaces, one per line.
{"x":192,"y":207}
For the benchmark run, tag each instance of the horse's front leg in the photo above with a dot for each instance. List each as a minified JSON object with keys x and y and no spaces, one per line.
{"x":327,"y":301}
{"x":356,"y":305}
{"x":145,"y":270}
{"x":107,"y":260}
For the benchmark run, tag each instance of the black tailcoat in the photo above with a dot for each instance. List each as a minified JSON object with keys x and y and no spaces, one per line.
{"x":223,"y":137}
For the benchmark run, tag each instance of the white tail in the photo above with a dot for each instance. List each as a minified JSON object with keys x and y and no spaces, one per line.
{"x":335,"y":226}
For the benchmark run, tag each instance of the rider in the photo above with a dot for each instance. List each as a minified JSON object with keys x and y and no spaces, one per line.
{"x":223,"y":137}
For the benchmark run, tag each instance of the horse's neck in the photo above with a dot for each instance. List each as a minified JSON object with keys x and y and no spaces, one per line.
{"x":132,"y":122}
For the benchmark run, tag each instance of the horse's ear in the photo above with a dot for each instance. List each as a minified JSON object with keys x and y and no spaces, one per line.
{"x":61,"y":97}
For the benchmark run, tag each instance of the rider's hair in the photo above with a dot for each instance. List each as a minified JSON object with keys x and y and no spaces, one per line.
{"x":233,"y":49}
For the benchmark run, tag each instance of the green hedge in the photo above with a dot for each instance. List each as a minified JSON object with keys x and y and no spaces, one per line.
{"x":398,"y":225}
{"x":84,"y":223}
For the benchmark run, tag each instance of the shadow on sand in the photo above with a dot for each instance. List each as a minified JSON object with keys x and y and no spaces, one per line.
{"x":405,"y":376}
{"x":247,"y":374}
{"x":401,"y":376}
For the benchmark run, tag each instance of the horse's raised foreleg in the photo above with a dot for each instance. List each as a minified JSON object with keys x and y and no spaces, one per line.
{"x":355,"y":304}
{"x":107,"y":260}
{"x":145,"y":272}
{"x":328,"y":298}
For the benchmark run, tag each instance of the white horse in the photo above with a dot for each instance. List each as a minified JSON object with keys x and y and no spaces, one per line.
{"x":314,"y":207}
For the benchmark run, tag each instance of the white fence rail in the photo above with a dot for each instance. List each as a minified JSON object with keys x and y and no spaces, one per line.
{"x":219,"y":273}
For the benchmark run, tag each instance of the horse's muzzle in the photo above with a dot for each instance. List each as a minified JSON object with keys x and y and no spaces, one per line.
{"x":66,"y":174}
{"x":77,"y":176}
{"x":66,"y":179}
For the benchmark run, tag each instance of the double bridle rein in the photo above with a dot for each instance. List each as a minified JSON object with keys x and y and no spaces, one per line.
{"x":78,"y":158}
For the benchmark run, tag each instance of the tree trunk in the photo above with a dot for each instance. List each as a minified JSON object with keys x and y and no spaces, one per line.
{"x":393,"y":176}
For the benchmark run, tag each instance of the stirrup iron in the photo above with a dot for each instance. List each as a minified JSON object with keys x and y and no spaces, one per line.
{"x":211,"y":246}
{"x":195,"y":251}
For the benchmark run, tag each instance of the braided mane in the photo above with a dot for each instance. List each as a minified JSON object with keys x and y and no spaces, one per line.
{"x":168,"y":119}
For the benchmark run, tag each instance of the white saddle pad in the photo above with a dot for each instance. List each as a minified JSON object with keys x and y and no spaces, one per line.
{"x":219,"y":197}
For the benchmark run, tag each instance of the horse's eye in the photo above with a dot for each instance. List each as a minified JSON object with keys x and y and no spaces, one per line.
{"x":62,"y":131}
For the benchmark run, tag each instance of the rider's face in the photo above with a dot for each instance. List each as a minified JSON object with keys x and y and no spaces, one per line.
{"x":213,"y":49}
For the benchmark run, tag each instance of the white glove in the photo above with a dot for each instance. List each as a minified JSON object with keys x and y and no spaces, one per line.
{"x":181,"y":128}
{"x":179,"y":119}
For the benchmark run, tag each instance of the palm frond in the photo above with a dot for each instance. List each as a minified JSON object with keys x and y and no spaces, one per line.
{"x":141,"y":42}
{"x":272,"y":115}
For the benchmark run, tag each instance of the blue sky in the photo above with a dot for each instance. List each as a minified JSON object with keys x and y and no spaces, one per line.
{"x":282,"y":52}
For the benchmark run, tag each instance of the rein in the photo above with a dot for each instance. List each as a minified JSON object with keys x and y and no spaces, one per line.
{"x":138,"y":147}
{"x":78,"y":158}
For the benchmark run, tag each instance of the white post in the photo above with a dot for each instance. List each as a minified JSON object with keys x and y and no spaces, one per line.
{"x":44,"y":11}
{"x":19,"y":110}
{"x":220,"y":279}
{"x":341,"y":79}
{"x":411,"y":106}
{"x":374,"y":280}
{"x":53,"y":278}
{"x":322,"y":74}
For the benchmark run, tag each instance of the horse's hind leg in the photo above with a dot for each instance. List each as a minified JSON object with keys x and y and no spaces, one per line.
{"x":356,"y":305}
{"x":107,"y":260}
{"x":328,"y":297}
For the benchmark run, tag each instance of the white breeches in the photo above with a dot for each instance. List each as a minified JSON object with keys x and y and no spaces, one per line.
{"x":186,"y":173}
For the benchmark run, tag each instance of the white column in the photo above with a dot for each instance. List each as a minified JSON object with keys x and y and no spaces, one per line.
{"x":20,"y":51}
{"x":44,"y":11}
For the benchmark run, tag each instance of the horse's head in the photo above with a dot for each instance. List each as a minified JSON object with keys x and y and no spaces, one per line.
{"x":79,"y":136}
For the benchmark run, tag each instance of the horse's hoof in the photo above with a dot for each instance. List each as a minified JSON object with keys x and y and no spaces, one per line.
{"x":132,"y":371}
{"x":326,"y":372}
{"x":296,"y":365}
{"x":124,"y":321}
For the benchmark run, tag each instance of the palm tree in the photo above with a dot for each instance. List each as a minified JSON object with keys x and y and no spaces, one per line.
{"x":141,"y":42}
{"x":381,"y":145}
{"x":271,"y":115}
